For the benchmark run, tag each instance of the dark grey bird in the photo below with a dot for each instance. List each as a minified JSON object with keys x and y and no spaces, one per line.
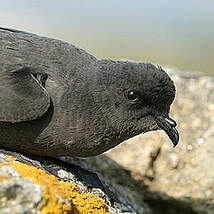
{"x":58,"y":100}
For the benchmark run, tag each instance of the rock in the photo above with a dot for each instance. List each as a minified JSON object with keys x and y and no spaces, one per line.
{"x":185,"y":173}
{"x":53,"y":186}
{"x":17,"y":195}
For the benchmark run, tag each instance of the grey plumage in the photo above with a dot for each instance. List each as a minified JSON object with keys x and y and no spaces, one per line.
{"x":56,"y":99}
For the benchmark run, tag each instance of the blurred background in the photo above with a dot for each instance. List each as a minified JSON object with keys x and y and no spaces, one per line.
{"x":177,"y":34}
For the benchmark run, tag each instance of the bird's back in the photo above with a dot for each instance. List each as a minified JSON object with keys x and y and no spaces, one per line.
{"x":52,"y":56}
{"x":35,"y":73}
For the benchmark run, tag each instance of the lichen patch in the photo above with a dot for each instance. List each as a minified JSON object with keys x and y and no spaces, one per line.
{"x":60,"y":197}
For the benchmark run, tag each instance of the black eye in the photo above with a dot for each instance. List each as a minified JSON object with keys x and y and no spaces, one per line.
{"x":132,"y":95}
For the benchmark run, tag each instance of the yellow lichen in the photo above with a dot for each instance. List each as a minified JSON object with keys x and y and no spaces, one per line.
{"x":3,"y":177}
{"x":60,"y":197}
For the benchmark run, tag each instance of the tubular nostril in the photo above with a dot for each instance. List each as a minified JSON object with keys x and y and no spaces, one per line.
{"x":171,"y":121}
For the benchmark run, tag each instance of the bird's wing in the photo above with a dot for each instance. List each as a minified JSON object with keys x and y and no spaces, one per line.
{"x":22,"y":95}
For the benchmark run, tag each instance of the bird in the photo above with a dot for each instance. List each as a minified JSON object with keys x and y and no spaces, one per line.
{"x":58,"y":100}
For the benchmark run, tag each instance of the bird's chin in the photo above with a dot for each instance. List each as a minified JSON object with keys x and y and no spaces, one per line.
{"x":148,"y":124}
{"x":161,"y":122}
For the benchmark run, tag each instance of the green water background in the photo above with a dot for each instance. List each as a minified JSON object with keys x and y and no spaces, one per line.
{"x":166,"y":32}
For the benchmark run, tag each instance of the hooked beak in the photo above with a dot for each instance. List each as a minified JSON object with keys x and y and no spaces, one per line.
{"x":168,"y":125}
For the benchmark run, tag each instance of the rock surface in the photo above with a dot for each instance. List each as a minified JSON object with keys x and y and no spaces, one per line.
{"x":27,"y":189}
{"x":145,"y":175}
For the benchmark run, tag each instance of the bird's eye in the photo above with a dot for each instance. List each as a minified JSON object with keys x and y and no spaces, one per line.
{"x":132,"y":95}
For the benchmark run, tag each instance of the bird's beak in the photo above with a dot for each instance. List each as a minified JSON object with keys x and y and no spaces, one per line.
{"x":168,"y":125}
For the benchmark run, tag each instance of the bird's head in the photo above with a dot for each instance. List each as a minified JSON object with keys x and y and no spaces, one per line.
{"x":136,"y":98}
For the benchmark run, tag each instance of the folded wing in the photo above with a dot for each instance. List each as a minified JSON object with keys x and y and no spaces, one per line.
{"x":22,"y":95}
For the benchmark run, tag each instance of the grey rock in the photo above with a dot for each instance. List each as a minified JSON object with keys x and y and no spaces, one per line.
{"x":191,"y":179}
{"x":18,"y":195}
